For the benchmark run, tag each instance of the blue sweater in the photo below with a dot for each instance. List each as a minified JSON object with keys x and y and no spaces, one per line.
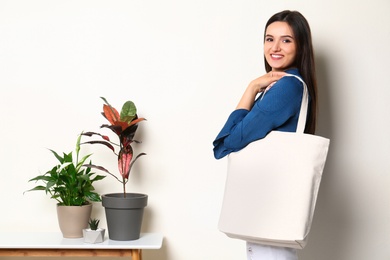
{"x":277,"y":110}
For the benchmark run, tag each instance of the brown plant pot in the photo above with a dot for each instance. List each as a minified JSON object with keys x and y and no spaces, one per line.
{"x":73,"y":219}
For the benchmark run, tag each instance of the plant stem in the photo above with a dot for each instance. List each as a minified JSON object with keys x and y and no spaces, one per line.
{"x":124,"y":188}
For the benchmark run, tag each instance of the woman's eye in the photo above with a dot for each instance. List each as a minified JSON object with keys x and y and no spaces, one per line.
{"x":268,"y":39}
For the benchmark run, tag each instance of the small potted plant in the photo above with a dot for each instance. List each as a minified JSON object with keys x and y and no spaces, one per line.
{"x":71,"y":185}
{"x":124,"y":211}
{"x":93,"y":234}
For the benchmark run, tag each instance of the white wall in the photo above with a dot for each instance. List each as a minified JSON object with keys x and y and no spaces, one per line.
{"x":185,"y":64}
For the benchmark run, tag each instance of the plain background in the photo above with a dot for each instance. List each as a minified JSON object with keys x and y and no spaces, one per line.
{"x":185,"y":65}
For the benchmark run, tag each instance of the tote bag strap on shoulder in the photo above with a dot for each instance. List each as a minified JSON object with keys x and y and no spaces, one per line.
{"x":304,"y":106}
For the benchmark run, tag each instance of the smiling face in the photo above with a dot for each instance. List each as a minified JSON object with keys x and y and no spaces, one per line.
{"x":279,"y":46}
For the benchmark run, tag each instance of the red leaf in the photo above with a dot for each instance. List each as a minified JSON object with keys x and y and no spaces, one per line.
{"x":124,"y":161}
{"x":136,"y":121}
{"x":103,"y":143}
{"x":111,"y":114}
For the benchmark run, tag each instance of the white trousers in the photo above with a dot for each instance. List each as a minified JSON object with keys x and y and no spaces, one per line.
{"x":263,"y":252}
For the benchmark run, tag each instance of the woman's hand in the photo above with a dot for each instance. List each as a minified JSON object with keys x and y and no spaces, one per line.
{"x":256,"y":86}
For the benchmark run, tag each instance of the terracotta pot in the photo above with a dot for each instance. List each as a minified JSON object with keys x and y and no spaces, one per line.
{"x":73,"y":219}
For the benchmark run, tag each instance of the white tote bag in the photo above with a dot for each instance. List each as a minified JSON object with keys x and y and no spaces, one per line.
{"x":272,"y":186}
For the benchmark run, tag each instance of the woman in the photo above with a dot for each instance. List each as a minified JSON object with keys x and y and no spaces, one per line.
{"x":287,"y":50}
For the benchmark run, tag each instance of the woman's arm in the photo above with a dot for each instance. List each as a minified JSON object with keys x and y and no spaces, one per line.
{"x":277,"y":110}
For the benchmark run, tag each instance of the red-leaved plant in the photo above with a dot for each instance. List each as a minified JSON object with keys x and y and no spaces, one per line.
{"x":124,"y":125}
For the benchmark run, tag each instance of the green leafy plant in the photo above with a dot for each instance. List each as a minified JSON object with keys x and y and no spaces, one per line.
{"x":69,"y":182}
{"x":93,"y":223}
{"x":124,"y":125}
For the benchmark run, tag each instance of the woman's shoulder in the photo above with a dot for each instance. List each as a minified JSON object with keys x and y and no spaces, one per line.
{"x":291,"y":81}
{"x":293,"y":76}
{"x":286,"y":92}
{"x":293,"y":71}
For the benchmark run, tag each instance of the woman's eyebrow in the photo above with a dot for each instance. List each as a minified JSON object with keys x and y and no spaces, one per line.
{"x":283,"y":36}
{"x":288,"y":36}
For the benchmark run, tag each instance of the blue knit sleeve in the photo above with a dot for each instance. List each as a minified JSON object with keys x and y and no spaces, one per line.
{"x":277,"y":110}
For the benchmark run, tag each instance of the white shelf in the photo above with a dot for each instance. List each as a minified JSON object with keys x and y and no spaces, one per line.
{"x":54,"y":240}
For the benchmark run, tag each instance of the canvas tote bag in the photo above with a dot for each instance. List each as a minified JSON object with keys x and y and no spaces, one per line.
{"x":272,"y":186}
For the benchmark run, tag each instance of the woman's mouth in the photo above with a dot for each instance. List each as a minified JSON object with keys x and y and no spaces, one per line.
{"x":276,"y":56}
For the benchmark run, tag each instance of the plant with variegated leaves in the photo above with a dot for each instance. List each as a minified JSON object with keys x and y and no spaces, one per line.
{"x":124,"y":125}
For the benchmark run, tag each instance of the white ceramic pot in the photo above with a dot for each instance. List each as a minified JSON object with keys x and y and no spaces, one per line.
{"x":94,"y":236}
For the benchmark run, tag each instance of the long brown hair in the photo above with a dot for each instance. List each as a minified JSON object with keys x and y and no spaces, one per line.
{"x":304,"y":60}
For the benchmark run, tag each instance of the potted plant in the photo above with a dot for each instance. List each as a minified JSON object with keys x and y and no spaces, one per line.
{"x":93,"y":234}
{"x":71,"y":185}
{"x":124,"y":211}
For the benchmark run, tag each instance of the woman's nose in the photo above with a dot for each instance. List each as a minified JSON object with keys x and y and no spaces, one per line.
{"x":276,"y":46}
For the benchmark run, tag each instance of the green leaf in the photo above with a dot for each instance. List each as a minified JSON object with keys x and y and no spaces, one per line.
{"x":38,"y":188}
{"x":49,"y":185}
{"x":93,"y":196}
{"x":68,"y":158}
{"x":84,"y":177}
{"x":63,"y":166}
{"x":81,"y":162}
{"x":59,"y":158}
{"x":78,"y":145}
{"x":128,"y":112}
{"x":41,"y":178}
{"x":98,"y":178}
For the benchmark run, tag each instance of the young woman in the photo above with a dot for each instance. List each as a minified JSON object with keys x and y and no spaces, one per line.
{"x":272,"y":101}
